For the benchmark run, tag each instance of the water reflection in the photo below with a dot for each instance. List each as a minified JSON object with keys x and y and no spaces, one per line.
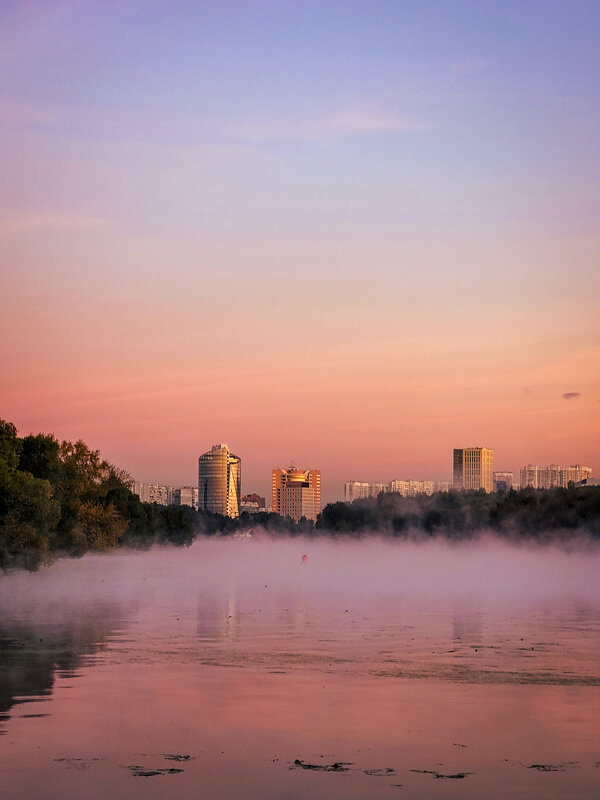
{"x":225,"y":673}
{"x":217,"y":618}
{"x":33,"y":655}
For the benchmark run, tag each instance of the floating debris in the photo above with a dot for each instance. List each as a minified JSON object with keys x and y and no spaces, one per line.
{"x":457,"y":776}
{"x":142,"y":772}
{"x":177,"y":757}
{"x":551,"y":767}
{"x":337,"y":766}
{"x":379,"y":773}
{"x":546,"y":767}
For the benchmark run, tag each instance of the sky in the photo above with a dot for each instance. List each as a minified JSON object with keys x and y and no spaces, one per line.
{"x":348,"y":235}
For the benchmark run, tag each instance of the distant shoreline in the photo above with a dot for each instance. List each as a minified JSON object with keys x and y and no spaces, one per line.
{"x":61,"y":499}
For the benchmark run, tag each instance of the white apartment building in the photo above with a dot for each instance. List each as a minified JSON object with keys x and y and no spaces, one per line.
{"x":553,"y":475}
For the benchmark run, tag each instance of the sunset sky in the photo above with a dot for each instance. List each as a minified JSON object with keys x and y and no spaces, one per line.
{"x":349,"y":234}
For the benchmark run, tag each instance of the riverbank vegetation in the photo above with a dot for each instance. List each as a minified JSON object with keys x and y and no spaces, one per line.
{"x":63,"y":498}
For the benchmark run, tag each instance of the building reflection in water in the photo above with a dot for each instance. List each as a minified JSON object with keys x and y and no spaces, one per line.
{"x":237,"y":617}
{"x":217,"y":617}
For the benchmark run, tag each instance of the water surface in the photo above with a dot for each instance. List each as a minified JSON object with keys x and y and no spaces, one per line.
{"x":238,"y":669}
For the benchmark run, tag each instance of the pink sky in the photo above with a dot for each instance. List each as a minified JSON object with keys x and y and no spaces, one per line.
{"x":357,"y":251}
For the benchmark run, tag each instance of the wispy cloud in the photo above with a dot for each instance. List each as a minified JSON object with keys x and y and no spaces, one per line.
{"x":48,"y":221}
{"x":326,"y":128}
{"x":358,"y":121}
{"x":571,"y":395}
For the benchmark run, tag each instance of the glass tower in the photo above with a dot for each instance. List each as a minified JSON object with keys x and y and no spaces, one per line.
{"x":220,"y":481}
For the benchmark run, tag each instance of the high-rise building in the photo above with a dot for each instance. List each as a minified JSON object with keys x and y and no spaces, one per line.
{"x":297,"y":493}
{"x":472,"y":468}
{"x":578,"y":473}
{"x":152,"y":492}
{"x":553,"y":475}
{"x":355,"y":490}
{"x":186,"y":496}
{"x":503,"y":481}
{"x":529,"y":477}
{"x":413,"y":488}
{"x":220,"y":481}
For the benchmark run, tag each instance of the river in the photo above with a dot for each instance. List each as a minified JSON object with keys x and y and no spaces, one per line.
{"x":300,"y":668}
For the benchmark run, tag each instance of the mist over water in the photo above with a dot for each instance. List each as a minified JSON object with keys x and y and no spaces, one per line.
{"x":362,"y":570}
{"x":246,"y":655}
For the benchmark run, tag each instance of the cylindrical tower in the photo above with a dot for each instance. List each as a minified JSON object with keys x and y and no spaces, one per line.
{"x":220,"y":481}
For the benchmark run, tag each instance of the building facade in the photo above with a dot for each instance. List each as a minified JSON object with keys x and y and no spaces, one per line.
{"x":358,"y":490}
{"x":152,"y":492}
{"x":412,"y":488}
{"x":297,"y":493}
{"x":503,"y":481}
{"x":165,"y":495}
{"x":220,"y":481}
{"x":186,"y":496}
{"x":354,"y":490}
{"x":472,"y":468}
{"x":529,"y":477}
{"x":553,"y":475}
{"x":253,"y":504}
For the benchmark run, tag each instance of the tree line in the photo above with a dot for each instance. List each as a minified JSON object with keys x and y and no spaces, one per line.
{"x":63,"y":498}
{"x":531,"y":514}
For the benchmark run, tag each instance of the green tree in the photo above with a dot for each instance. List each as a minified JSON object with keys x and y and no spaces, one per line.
{"x":28,"y":514}
{"x":102,"y":526}
{"x":39,"y":456}
{"x":9,"y":444}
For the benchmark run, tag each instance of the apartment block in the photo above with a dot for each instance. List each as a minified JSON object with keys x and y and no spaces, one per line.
{"x":472,"y":468}
{"x":503,"y":481}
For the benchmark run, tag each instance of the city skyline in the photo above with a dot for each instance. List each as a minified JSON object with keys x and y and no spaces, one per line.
{"x":469,"y":478}
{"x":353,"y":236}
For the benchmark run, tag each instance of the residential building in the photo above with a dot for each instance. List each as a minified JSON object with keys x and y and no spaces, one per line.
{"x":553,"y":475}
{"x":503,"y":481}
{"x":186,"y":496}
{"x":220,"y":481}
{"x":297,"y":493}
{"x":354,"y":490}
{"x":472,"y":468}
{"x":152,"y":492}
{"x":529,"y":476}
{"x":578,"y":473}
{"x":253,"y":504}
{"x":413,"y":488}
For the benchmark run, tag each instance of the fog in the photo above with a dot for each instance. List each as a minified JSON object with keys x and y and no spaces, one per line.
{"x":264,"y":569}
{"x":256,"y":662}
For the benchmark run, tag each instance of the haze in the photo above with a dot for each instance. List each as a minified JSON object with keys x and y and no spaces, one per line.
{"x":335,"y":575}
